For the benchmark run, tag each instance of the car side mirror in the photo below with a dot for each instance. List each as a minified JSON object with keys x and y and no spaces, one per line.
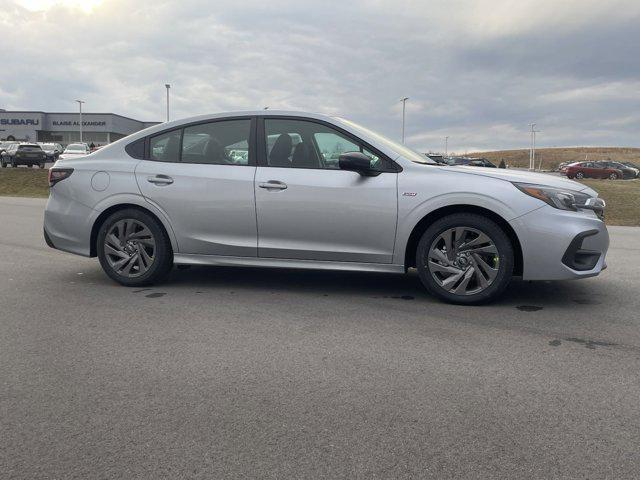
{"x":357,"y":162}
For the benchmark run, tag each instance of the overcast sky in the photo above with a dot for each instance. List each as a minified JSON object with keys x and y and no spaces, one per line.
{"x":478,"y":71}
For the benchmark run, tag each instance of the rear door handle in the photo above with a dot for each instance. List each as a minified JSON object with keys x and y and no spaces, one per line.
{"x":273,"y":185}
{"x":160,"y":180}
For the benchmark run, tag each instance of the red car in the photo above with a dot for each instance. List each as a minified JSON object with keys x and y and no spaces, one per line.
{"x":591,"y":170}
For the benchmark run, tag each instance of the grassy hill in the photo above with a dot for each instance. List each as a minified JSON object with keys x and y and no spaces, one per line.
{"x":551,"y":157}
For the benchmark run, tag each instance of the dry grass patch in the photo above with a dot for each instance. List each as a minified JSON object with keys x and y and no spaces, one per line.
{"x":23,"y":182}
{"x":623,"y":200}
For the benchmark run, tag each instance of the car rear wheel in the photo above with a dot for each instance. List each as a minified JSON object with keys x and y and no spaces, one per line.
{"x":579,"y":175}
{"x":465,"y":258}
{"x":613,"y":176}
{"x":133,"y":248}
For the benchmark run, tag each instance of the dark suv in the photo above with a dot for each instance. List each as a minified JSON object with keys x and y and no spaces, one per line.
{"x":29,"y":154}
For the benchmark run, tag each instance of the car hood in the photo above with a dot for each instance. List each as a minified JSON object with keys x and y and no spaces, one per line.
{"x":523,"y":176}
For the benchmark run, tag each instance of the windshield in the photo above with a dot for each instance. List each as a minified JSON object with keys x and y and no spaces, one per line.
{"x":403,"y":150}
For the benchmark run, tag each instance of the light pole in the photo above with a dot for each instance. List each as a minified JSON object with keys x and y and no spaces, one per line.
{"x":532,"y":147}
{"x":167,"y":86}
{"x":446,"y":146}
{"x":404,"y":102}
{"x":80,"y":102}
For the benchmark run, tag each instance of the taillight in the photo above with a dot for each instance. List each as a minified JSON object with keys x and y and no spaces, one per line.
{"x":58,"y":174}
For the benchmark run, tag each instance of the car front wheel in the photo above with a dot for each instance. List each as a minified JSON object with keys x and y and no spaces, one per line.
{"x":133,"y":248}
{"x":465,"y":258}
{"x":613,"y":176}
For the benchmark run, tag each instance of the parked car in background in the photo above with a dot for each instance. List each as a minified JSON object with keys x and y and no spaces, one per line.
{"x":632,"y":165}
{"x":627,"y":172}
{"x":5,"y":145}
{"x":74,"y":150}
{"x":471,"y":162}
{"x":592,"y":170}
{"x":152,"y":200}
{"x":436,"y":158}
{"x":53,"y":150}
{"x":29,"y":154}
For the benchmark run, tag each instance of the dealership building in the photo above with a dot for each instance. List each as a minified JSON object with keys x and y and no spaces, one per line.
{"x":64,"y":128}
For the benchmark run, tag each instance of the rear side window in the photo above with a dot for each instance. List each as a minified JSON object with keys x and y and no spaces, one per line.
{"x":136,"y":149}
{"x":166,"y":146}
{"x":217,"y":143}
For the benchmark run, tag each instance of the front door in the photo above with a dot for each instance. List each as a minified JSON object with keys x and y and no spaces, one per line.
{"x":201,"y":177}
{"x":309,"y":209}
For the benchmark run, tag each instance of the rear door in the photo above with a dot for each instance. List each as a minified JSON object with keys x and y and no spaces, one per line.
{"x":201,"y":176}
{"x":307,"y":208}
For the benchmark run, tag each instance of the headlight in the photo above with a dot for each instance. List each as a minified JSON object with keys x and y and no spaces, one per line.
{"x":556,"y":197}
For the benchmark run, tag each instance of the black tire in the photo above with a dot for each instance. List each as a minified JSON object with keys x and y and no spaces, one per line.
{"x":505,"y":256}
{"x":613,"y":176}
{"x":4,"y":165}
{"x":579,"y":175}
{"x":163,"y":255}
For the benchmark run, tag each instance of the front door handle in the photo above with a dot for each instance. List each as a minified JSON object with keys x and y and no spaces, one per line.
{"x":160,"y":180}
{"x":273,"y":185}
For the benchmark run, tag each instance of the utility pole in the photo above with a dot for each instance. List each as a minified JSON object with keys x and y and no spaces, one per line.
{"x":404,"y":102}
{"x":446,"y":146}
{"x":532,"y":147}
{"x":167,"y":86}
{"x":80,"y":102}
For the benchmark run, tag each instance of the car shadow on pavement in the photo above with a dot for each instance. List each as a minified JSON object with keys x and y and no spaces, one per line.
{"x":379,"y":285}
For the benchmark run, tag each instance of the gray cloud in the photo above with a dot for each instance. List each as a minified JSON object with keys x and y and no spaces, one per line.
{"x":478,"y":71}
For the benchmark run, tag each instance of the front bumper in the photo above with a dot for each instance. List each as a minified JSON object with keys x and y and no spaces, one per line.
{"x":561,"y":245}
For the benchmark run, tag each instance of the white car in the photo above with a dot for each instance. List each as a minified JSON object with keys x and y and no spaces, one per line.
{"x":75,"y":150}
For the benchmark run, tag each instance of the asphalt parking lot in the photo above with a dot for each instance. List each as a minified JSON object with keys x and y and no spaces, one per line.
{"x":247,"y":373}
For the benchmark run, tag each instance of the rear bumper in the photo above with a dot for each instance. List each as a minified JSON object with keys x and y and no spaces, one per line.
{"x":561,"y":245}
{"x":67,"y":225}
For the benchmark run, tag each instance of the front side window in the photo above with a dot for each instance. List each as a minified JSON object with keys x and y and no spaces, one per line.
{"x":166,"y":146}
{"x":217,"y":143}
{"x":307,"y":144}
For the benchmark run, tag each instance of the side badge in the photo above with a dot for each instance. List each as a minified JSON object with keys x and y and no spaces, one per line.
{"x":409,"y":194}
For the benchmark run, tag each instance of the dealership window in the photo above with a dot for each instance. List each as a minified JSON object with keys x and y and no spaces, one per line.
{"x":305,"y":144}
{"x":166,"y":146}
{"x":217,"y":143}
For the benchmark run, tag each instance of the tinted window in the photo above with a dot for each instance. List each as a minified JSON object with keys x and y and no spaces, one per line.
{"x":306,"y":144}
{"x":218,"y":143}
{"x":165,"y":147}
{"x":136,"y":149}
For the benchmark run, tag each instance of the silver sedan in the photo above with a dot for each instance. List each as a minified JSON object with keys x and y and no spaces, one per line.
{"x":301,"y":190}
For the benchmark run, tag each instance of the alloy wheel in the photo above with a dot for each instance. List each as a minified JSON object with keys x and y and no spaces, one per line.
{"x":130,"y":248}
{"x":463,"y":260}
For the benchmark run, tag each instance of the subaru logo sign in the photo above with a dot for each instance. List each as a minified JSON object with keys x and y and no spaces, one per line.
{"x":19,"y":121}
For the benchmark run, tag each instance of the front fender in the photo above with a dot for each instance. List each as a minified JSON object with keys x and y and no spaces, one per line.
{"x":422,"y":194}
